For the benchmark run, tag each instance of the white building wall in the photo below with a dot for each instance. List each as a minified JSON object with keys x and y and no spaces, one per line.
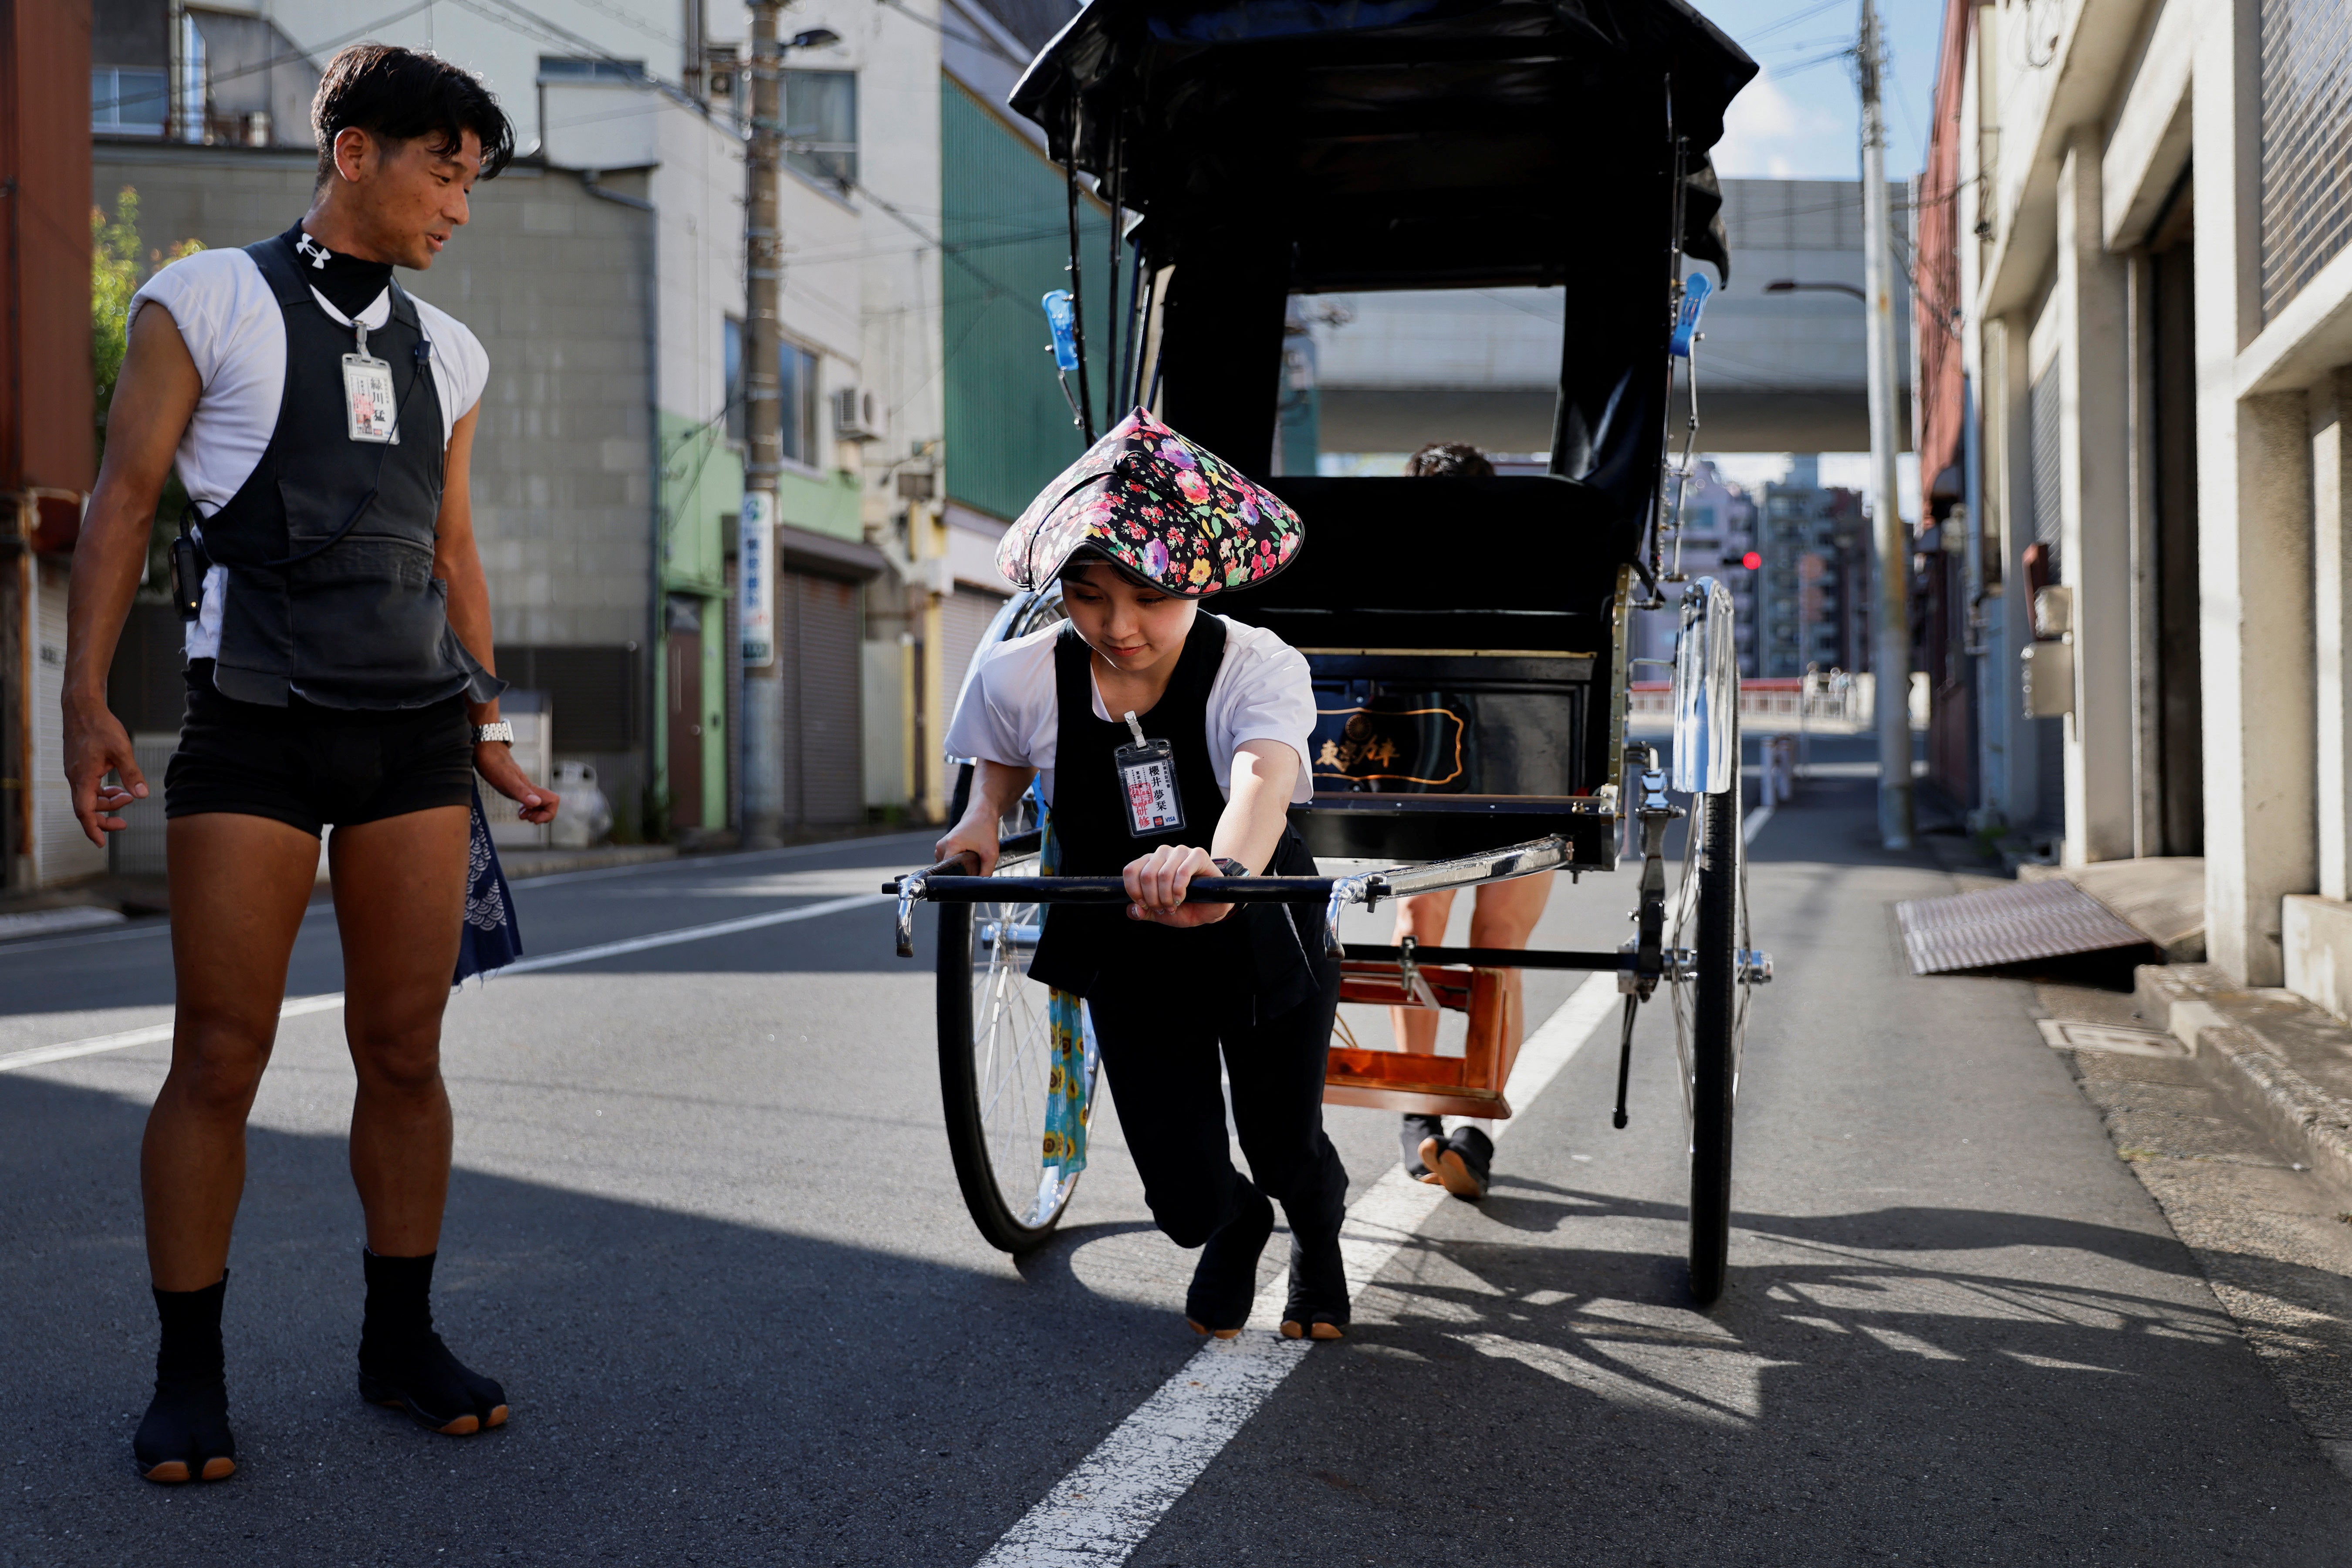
{"x":505,"y":48}
{"x":2076,"y":134}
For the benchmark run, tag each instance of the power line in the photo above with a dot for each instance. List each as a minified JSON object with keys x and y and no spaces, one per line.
{"x":299,"y":55}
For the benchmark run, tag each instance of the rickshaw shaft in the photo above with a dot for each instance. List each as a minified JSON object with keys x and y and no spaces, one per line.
{"x":1495,"y":957}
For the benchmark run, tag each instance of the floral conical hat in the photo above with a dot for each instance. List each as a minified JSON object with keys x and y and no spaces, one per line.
{"x":1163,"y":508}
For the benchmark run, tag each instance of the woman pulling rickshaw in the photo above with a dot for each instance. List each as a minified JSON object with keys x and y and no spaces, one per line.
{"x":1170,"y":743}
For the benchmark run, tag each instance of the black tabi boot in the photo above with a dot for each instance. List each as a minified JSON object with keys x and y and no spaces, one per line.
{"x":1465,"y":1163}
{"x":1416,"y":1133}
{"x":185,"y":1435}
{"x":404,"y":1363}
{"x":1319,"y":1291}
{"x":1225,"y":1282}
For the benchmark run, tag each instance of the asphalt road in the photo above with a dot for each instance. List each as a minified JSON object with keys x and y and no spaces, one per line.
{"x":705,"y":1229}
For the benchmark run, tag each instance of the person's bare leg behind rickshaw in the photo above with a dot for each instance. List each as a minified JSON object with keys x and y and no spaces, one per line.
{"x":1505,"y":916}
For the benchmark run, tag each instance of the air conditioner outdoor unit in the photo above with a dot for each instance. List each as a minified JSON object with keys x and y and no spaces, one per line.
{"x":859,"y":415}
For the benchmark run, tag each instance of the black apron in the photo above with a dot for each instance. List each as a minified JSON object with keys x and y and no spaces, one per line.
{"x":1258,"y":955}
{"x":360,"y":623}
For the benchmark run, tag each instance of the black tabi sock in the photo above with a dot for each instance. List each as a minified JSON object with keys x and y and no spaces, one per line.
{"x":191,"y":1348}
{"x":403,"y":1361}
{"x":1225,"y":1282}
{"x":399,"y":1313}
{"x":188,"y":1418}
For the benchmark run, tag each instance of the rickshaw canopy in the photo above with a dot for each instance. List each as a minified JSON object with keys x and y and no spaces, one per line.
{"x":1396,"y":143}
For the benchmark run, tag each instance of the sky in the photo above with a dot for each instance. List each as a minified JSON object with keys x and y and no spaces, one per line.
{"x":1800,"y":119}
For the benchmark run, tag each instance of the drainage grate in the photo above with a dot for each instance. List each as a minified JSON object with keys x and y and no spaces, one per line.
{"x":2009,"y":925}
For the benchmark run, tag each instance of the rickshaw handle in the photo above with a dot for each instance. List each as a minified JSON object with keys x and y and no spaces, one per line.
{"x":951,"y":881}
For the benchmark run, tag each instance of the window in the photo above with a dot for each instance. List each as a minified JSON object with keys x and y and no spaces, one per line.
{"x":127,"y":101}
{"x":569,"y":67}
{"x":733,"y":353}
{"x":821,"y":112}
{"x":796,"y":401}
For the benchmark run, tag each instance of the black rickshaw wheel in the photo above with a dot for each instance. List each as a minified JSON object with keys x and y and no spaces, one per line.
{"x":1713,"y":1055}
{"x":995,"y":1068}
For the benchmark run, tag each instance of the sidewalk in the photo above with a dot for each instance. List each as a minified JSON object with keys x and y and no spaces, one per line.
{"x":2284,"y":1063}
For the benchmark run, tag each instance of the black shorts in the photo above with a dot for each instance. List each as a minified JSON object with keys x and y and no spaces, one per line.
{"x":309,"y":766}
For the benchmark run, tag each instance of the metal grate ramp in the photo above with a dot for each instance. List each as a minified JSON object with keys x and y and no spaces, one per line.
{"x":2017,"y":925}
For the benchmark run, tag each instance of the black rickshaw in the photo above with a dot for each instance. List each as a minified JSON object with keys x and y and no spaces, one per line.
{"x":1262,"y":149}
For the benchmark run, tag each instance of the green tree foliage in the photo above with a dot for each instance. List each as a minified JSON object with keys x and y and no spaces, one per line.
{"x":115,"y":275}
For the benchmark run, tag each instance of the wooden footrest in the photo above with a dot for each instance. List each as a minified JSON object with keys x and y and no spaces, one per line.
{"x":1467,"y":1085}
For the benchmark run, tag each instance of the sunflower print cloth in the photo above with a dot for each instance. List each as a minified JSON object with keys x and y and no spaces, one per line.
{"x":1165,"y":508}
{"x":1065,"y":1023}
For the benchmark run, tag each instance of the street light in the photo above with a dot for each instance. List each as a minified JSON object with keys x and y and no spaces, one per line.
{"x":815,"y":38}
{"x":1791,"y":286}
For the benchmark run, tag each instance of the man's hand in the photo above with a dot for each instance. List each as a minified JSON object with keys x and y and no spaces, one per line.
{"x":494,"y":760}
{"x":97,"y":745}
{"x":1156,"y":884}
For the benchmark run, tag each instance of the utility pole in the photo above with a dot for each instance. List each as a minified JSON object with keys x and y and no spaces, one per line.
{"x":762,"y":703}
{"x":1890,"y":658}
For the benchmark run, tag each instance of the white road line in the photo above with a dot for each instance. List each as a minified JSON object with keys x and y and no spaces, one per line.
{"x":10,"y":947}
{"x":1102,"y":1510}
{"x":297,"y":1007}
{"x":696,"y":934}
{"x":1754,"y":824}
{"x":725,"y":858}
{"x":154,"y":1034}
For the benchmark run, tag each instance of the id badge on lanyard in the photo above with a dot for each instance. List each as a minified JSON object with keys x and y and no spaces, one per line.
{"x":368,"y":402}
{"x":1147,"y":783}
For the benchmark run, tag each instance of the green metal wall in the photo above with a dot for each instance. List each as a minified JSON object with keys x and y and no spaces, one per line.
{"x":1005,"y":224}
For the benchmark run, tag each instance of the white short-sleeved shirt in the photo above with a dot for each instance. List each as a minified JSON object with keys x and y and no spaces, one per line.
{"x":236,"y":333}
{"x":1009,"y":714}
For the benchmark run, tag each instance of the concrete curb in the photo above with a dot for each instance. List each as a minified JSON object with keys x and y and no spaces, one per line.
{"x":2221,"y":1023}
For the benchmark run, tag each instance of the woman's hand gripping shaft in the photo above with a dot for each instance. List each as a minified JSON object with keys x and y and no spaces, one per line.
{"x":995,"y":790}
{"x":1256,"y":807}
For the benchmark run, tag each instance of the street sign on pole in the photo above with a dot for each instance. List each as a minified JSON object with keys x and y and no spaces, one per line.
{"x":755,"y":571}
{"x":762,"y":723}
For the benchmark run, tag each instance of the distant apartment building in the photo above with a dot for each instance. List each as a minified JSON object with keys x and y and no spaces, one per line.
{"x":1718,"y":531}
{"x":1812,"y":599}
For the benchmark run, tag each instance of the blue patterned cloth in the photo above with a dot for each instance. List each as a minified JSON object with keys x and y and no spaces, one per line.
{"x":489,"y":937}
{"x":1067,"y":1080}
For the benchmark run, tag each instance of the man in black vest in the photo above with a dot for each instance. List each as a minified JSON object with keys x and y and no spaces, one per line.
{"x":339,"y":672}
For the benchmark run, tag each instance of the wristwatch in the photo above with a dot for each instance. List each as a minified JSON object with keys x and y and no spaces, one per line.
{"x":501,"y":730}
{"x":1232,"y":868}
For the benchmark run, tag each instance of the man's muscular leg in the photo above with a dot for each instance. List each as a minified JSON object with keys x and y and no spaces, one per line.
{"x":400,"y":893}
{"x":239,"y":885}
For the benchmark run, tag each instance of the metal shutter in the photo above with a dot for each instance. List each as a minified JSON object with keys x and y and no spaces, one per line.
{"x":964,"y":616}
{"x":819,"y":629}
{"x":2049,"y":504}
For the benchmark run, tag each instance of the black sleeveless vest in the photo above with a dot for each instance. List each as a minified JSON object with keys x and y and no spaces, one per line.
{"x":329,"y":543}
{"x":1256,"y":959}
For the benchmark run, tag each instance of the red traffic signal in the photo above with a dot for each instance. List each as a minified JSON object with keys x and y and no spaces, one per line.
{"x":1752,"y":560}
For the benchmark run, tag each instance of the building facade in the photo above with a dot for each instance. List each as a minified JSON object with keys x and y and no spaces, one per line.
{"x":48,"y":443}
{"x":2141,"y":450}
{"x":604,"y":272}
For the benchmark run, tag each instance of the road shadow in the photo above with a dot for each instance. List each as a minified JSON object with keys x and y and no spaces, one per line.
{"x":684,"y":1389}
{"x":1507,"y":1399}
